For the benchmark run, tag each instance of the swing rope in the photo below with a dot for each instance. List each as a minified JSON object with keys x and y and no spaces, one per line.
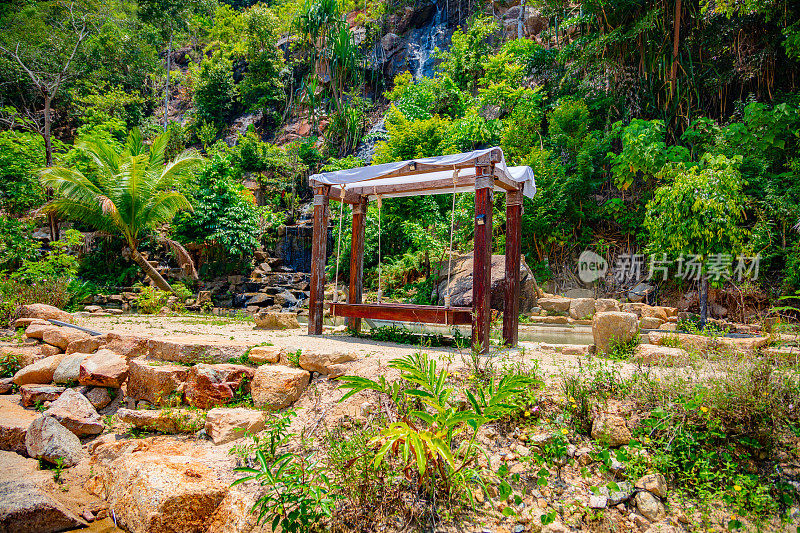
{"x":338,"y":251}
{"x":380,"y":263}
{"x":450,"y":248}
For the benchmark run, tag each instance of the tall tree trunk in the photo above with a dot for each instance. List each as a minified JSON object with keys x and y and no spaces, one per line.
{"x":703,"y":300}
{"x":151,"y":272}
{"x":52,"y":220}
{"x":676,"y":35}
{"x":166,"y":93}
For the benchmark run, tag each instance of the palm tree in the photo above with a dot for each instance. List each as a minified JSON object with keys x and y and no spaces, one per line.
{"x":131,"y":192}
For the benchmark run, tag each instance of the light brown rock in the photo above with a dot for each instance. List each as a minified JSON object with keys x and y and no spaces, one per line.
{"x":6,"y":384}
{"x":655,"y":483}
{"x":225,"y":424}
{"x":44,"y":312}
{"x":36,"y":331}
{"x":48,"y":350}
{"x":610,"y":429}
{"x":601,"y":305}
{"x":234,"y":514}
{"x":14,"y":422}
{"x":613,"y":326}
{"x":92,"y":343}
{"x":650,"y":322}
{"x":25,"y":322}
{"x":272,"y":321}
{"x":277,"y":386}
{"x":156,"y":485}
{"x":581,"y":308}
{"x":155,"y":382}
{"x":331,"y":364}
{"x":191,"y":351}
{"x":103,"y":369}
{"x":650,"y":354}
{"x":76,"y":414}
{"x":557,"y":304}
{"x":32,"y":394}
{"x":167,"y":420}
{"x":686,"y":341}
{"x":650,"y":507}
{"x":655,"y":311}
{"x":265,"y":354}
{"x":47,"y":439}
{"x":210,"y":386}
{"x":39,"y":372}
{"x":62,"y":336}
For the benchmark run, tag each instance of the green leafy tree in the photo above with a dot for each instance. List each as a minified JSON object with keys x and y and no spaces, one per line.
{"x":21,"y":156}
{"x":131,"y":193}
{"x":225,"y":215}
{"x":699,"y":213}
{"x":215,"y":91}
{"x":464,"y":61}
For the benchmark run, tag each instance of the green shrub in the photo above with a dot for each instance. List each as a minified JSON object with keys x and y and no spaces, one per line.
{"x":150,"y":300}
{"x":215,"y":92}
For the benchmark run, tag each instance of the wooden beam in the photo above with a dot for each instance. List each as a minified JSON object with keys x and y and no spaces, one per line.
{"x":355,"y":288}
{"x":335,"y":193}
{"x":482,"y":258}
{"x":318,"y":259}
{"x":427,"y":314}
{"x":513,"y":250}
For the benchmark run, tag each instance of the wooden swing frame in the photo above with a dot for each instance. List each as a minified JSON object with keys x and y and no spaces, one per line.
{"x":487,"y":178}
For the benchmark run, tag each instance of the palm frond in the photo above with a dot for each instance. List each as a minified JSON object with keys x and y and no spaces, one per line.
{"x":157,"y":150}
{"x":184,"y":258}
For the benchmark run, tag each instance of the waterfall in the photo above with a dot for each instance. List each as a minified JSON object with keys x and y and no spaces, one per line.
{"x":423,"y":41}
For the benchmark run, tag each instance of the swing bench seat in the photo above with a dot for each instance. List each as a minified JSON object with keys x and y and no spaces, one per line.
{"x":427,"y":314}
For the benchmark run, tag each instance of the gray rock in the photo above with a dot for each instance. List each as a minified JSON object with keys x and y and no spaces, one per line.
{"x":47,"y":439}
{"x":69,"y":368}
{"x":27,"y":508}
{"x":622,"y":495}
{"x":99,"y":397}
{"x":597,"y":502}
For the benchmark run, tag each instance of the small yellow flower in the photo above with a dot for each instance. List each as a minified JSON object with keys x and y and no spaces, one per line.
{"x":564,"y":431}
{"x":704,"y":409}
{"x":527,"y":414}
{"x":572,"y":399}
{"x":737,"y":488}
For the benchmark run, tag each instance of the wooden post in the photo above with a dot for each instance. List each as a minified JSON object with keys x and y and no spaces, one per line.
{"x":482,"y":257}
{"x":318,"y":257}
{"x":355,"y":288}
{"x":513,"y":238}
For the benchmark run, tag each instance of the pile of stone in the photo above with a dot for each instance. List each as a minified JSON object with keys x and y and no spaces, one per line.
{"x":555,"y":309}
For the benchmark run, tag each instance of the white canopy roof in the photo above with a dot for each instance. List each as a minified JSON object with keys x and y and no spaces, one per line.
{"x":429,"y":175}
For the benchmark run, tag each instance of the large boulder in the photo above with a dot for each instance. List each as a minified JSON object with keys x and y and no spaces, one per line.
{"x":460,"y":287}
{"x":39,"y":372}
{"x":76,"y":414}
{"x":44,"y":312}
{"x":190,"y":351}
{"x":331,"y":364}
{"x":650,"y":506}
{"x":277,"y":386}
{"x":104,"y":369}
{"x":47,"y":439}
{"x":225,"y":424}
{"x":163,"y":420}
{"x":30,"y":395}
{"x":581,"y":308}
{"x":61,"y":337}
{"x":14,"y":422}
{"x":37,"y":329}
{"x":613,"y":327}
{"x":155,"y":382}
{"x":601,"y":305}
{"x":69,"y":369}
{"x":156,"y":485}
{"x":272,"y":321}
{"x":210,"y":386}
{"x":27,"y":508}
